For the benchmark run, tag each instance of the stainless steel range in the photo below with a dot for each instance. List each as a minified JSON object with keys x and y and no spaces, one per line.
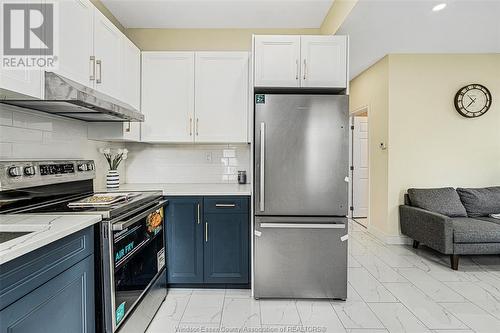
{"x":131,"y":269}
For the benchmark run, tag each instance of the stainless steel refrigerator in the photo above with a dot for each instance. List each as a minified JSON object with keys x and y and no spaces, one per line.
{"x":301,"y":196}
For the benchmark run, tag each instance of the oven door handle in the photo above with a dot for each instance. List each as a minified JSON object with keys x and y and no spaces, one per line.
{"x":125,"y":224}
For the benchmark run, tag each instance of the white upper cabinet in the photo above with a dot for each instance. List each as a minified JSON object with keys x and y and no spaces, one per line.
{"x":27,"y":82}
{"x":76,"y":42}
{"x":324,"y":61}
{"x":277,"y":61}
{"x":131,"y":73}
{"x":168,"y":96}
{"x":107,"y":51}
{"x":221,"y":96}
{"x":300,"y":61}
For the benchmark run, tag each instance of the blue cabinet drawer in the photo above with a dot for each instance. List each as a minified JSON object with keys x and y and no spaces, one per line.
{"x":22,"y":275}
{"x":226,"y":204}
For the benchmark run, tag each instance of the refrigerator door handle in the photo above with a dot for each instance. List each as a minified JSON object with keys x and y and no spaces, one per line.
{"x":302,"y":226}
{"x":262,"y":165}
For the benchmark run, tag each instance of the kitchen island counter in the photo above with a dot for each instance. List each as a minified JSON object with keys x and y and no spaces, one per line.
{"x":40,"y":230}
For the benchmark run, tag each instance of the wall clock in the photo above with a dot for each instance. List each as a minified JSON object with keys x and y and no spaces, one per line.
{"x":473,"y":100}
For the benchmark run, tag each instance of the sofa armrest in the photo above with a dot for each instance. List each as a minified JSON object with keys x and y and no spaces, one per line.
{"x":432,"y":229}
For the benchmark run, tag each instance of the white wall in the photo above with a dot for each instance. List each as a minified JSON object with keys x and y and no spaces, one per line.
{"x":30,"y":135}
{"x":186,"y":163}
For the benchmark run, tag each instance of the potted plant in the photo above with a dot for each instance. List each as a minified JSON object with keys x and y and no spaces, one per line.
{"x":114,"y":156}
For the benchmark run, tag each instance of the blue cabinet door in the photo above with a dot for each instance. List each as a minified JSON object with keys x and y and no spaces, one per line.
{"x":184,"y":221}
{"x":226,"y":248}
{"x":63,"y":304}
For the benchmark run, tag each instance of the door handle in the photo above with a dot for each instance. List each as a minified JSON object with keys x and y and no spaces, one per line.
{"x":190,"y":126}
{"x":127,"y":129}
{"x":197,"y":125}
{"x":302,"y":226}
{"x":225,"y":205}
{"x":296,"y":69}
{"x":262,"y":165}
{"x":99,"y":77}
{"x":118,"y":226}
{"x":305,"y":69}
{"x":92,"y":68}
{"x":206,"y":232}
{"x":198,"y":214}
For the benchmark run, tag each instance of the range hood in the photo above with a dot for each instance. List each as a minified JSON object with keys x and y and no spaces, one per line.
{"x":67,"y":98}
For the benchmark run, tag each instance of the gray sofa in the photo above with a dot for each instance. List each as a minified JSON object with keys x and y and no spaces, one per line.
{"x":454,"y":222}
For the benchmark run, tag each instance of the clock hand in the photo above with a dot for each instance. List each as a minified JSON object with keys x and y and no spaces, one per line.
{"x":471,"y":102}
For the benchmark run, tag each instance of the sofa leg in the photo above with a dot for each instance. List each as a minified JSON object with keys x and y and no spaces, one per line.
{"x":416,"y":244}
{"x":454,"y":261}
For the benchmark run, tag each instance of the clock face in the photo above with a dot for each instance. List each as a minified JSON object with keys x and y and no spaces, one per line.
{"x":473,"y":101}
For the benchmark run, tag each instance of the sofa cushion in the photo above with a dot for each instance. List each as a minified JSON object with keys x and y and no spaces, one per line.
{"x":480,"y":201}
{"x":488,"y":219}
{"x":439,"y":200}
{"x":467,"y":230}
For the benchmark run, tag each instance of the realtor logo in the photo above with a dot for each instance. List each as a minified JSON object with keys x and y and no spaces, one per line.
{"x":28,"y":35}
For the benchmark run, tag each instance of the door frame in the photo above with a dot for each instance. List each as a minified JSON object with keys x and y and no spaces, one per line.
{"x":356,"y":113}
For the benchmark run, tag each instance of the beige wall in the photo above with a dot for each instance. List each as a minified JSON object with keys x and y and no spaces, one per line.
{"x":431,"y":145}
{"x":410,"y":99}
{"x":203,"y":39}
{"x":103,"y":9}
{"x":371,"y":89}
{"x":336,"y":15}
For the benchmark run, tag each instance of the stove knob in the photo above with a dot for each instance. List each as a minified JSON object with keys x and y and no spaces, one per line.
{"x":82,"y":167}
{"x":15,"y":172}
{"x":29,"y":171}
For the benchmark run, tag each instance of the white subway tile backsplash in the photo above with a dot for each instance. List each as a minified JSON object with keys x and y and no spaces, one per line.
{"x":17,"y":134}
{"x":5,"y":116}
{"x":5,"y":151}
{"x":32,"y":121}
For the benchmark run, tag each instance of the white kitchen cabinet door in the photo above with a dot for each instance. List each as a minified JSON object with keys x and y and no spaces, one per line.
{"x":130,"y":73}
{"x":221,"y":97}
{"x":277,"y":61}
{"x":76,"y":41}
{"x":324,"y":61}
{"x":168,"y":97}
{"x":27,"y":82}
{"x":107,"y":51}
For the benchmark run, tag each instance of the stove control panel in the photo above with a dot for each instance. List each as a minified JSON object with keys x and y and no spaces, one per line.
{"x":21,"y":174}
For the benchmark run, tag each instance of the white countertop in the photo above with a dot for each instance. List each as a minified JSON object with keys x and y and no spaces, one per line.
{"x":191,"y":189}
{"x":44,"y":229}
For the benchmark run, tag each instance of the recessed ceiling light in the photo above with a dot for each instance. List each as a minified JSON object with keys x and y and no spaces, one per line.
{"x":439,"y":7}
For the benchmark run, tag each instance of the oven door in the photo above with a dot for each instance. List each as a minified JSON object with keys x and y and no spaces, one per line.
{"x":136,"y":259}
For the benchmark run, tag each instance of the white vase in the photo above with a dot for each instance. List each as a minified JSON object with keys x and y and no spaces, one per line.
{"x":112,"y":179}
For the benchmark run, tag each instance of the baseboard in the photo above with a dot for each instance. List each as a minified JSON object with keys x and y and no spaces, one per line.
{"x":388,"y":239}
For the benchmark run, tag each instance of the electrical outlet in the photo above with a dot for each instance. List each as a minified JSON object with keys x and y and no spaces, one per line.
{"x":208,"y":156}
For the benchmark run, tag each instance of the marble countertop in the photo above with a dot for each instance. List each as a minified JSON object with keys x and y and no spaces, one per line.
{"x":43,"y":230}
{"x":191,"y":189}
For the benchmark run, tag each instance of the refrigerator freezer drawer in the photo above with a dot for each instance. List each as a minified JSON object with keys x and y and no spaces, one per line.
{"x":300,"y":260}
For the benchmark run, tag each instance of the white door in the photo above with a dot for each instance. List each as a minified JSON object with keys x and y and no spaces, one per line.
{"x":277,"y":61}
{"x":168,"y":96}
{"x":324,"y":61}
{"x":221,"y":96}
{"x":360,"y":186}
{"x":76,"y":41}
{"x":107,"y":51}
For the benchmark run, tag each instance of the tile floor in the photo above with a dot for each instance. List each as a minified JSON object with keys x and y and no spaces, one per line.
{"x":392,"y":288}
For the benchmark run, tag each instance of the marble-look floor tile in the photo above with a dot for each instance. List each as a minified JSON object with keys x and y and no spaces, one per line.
{"x":319,"y":314}
{"x":433,"y":288}
{"x":351,"y":262}
{"x":279,"y":312}
{"x":170,"y":313}
{"x":368,"y":287}
{"x":474,"y":317}
{"x":204,"y":307}
{"x":379,"y":269}
{"x":390,"y":258}
{"x":432,"y":315}
{"x":369,"y":330}
{"x":439,"y":270}
{"x":352,"y":295}
{"x":241,"y":313}
{"x":452,"y":331}
{"x":238,"y":293}
{"x":356,"y":315}
{"x":397,"y":318}
{"x":485,"y":298}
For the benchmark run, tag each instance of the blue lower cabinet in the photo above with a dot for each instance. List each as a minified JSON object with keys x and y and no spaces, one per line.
{"x":226,"y":248}
{"x":63,"y":304}
{"x":184,"y":222}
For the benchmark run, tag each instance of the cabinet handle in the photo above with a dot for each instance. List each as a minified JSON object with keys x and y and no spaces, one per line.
{"x":225,"y":205}
{"x":206,"y":232}
{"x":92,"y":68}
{"x":197,"y":125}
{"x":296,"y":69}
{"x":262,"y":165}
{"x":99,"y":77}
{"x":190,"y":126}
{"x":305,"y":69}
{"x":128,"y":127}
{"x":198,"y":214}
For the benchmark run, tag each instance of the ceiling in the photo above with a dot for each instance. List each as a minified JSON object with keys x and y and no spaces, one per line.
{"x":378,"y":27}
{"x":223,"y":14}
